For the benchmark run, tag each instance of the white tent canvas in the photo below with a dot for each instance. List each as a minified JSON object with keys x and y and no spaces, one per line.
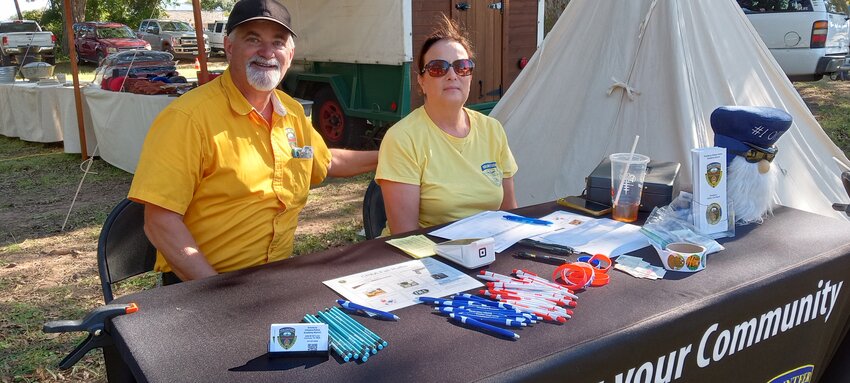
{"x":610,"y":70}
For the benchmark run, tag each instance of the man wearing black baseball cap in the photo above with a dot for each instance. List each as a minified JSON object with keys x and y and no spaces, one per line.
{"x":226,"y":168}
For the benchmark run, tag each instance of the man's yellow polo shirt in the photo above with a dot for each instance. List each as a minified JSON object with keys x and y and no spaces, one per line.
{"x":212,"y":158}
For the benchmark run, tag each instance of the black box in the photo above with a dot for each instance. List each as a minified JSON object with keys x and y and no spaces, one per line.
{"x":659,"y":186}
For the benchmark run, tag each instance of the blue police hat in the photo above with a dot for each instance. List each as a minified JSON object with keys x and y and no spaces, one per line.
{"x":737,"y":126}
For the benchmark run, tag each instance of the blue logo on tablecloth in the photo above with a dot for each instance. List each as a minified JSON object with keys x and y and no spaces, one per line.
{"x":802,"y":374}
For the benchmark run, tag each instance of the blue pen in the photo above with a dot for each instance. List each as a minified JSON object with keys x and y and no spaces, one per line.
{"x":532,"y":221}
{"x":354,"y":306}
{"x":474,"y":323}
{"x":482,"y":314}
{"x":496,"y":321}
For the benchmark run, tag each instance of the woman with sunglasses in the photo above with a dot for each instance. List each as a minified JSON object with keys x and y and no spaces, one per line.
{"x":444,"y":162}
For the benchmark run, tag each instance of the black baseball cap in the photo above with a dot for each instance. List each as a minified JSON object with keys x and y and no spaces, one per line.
{"x":249,"y":10}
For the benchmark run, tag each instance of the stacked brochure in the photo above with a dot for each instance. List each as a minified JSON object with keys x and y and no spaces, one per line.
{"x":584,"y":234}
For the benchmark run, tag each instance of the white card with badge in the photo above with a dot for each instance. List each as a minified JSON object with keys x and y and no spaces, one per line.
{"x":298,"y":338}
{"x":470,"y":253}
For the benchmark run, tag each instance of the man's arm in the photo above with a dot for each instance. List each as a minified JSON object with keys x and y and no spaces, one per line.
{"x":167,"y":232}
{"x":347,"y":163}
{"x":401,"y":202}
{"x":509,"y":198}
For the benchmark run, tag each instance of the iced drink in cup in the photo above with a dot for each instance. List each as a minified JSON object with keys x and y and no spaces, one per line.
{"x":627,"y":174}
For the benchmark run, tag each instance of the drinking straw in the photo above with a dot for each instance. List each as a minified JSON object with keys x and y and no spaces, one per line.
{"x":626,"y":171}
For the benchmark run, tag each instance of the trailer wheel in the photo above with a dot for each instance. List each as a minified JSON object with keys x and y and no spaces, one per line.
{"x":329,"y":119}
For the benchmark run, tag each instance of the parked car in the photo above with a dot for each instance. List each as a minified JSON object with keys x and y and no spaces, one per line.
{"x":25,"y":38}
{"x":808,"y":38}
{"x":142,"y":64}
{"x":96,"y":40}
{"x":216,"y":32}
{"x":172,"y":36}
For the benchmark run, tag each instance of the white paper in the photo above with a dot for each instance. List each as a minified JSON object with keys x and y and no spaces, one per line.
{"x":598,"y":236}
{"x":400,"y":285}
{"x":492,"y":224}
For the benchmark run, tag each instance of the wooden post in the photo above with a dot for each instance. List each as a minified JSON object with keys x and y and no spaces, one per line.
{"x":199,"y":33}
{"x":18,"y":9}
{"x":78,"y":100}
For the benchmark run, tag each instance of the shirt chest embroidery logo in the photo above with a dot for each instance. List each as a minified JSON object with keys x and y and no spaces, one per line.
{"x":290,"y":136}
{"x":492,"y":172}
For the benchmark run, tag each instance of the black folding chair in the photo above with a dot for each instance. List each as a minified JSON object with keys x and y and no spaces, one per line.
{"x":123,"y":249}
{"x":374,"y":215}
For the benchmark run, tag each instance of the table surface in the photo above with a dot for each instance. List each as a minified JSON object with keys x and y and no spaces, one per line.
{"x":217,"y":329}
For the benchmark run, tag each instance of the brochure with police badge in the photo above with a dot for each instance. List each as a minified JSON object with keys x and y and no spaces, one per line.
{"x":709,"y":172}
{"x":396,"y":286}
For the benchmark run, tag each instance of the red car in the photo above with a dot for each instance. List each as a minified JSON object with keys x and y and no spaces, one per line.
{"x":96,"y":40}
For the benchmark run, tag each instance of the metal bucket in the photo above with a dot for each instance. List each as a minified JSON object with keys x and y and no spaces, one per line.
{"x":37,"y":71}
{"x":7,"y":74}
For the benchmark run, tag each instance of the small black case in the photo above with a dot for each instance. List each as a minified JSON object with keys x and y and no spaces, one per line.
{"x":659,"y":186}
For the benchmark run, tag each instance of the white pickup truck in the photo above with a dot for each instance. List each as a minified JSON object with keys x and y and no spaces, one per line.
{"x":21,"y":38}
{"x":216,"y":32}
{"x":172,"y":36}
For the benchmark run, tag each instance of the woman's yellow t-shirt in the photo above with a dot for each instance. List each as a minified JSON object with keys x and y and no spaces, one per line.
{"x":457,"y":177}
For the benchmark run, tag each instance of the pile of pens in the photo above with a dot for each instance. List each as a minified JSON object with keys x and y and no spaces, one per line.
{"x":348,"y":338}
{"x":509,"y":302}
{"x":531,"y":293}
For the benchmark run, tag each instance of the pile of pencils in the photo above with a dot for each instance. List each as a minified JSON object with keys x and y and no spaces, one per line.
{"x":348,"y":338}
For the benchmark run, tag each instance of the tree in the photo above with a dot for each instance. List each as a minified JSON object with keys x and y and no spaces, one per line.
{"x":217,"y":5}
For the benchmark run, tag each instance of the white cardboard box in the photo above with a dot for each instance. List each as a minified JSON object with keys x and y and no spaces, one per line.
{"x":710,"y":206}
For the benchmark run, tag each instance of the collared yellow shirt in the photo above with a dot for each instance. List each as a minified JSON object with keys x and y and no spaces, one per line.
{"x":211,"y":157}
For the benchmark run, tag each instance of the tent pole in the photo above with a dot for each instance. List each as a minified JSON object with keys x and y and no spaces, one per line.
{"x":199,"y":34}
{"x":78,"y":100}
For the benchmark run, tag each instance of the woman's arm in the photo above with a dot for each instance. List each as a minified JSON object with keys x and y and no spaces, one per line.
{"x":401,"y":202}
{"x":509,"y":198}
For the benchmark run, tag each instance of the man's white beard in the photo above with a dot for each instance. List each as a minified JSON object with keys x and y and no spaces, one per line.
{"x":750,"y":191}
{"x":263,"y":80}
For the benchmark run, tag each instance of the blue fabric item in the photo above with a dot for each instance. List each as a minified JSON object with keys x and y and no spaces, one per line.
{"x":161,"y":78}
{"x":757,"y":125}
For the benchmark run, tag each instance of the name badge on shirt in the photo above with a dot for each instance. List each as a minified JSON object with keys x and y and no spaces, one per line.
{"x":305,"y":152}
{"x":290,"y":136}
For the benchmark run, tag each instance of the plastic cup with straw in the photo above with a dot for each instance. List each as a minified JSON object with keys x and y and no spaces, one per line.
{"x":627,"y":198}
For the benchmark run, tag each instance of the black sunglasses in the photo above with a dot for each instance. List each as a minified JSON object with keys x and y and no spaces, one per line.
{"x":756,"y":153}
{"x":439,"y":68}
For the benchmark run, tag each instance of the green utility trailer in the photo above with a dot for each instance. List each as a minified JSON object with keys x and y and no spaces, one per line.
{"x":355,"y":59}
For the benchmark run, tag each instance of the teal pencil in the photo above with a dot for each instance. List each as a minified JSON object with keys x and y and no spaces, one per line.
{"x":359,"y":330}
{"x":362,"y":350}
{"x":356,"y":338}
{"x":342,"y":354}
{"x":337,"y":336}
{"x":356,"y":323}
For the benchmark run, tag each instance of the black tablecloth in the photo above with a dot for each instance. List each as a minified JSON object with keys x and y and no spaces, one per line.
{"x":217,"y":329}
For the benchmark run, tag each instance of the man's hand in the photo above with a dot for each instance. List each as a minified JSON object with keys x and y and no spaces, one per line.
{"x":347,"y":163}
{"x":167,"y":232}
